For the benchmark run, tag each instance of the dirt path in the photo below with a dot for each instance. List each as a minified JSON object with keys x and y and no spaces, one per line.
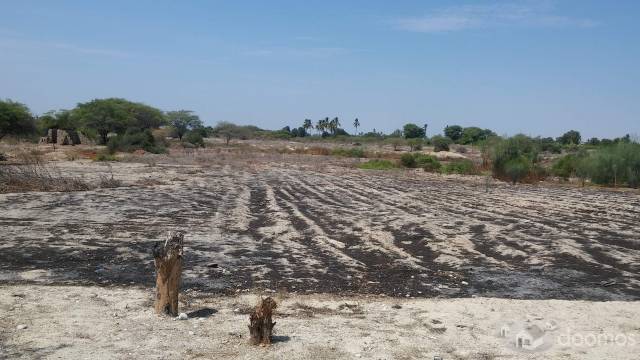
{"x":118,"y":323}
{"x":337,"y":230}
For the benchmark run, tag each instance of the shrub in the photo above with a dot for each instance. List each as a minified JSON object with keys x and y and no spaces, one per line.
{"x":440,"y":143}
{"x":463,"y":167}
{"x":353,"y":152}
{"x":133,"y":140}
{"x":427,"y":162}
{"x":195,"y":138}
{"x":510,"y":157}
{"x":517,"y":168}
{"x":613,"y":165}
{"x":566,"y":166}
{"x":408,"y":160}
{"x":106,"y":157}
{"x":417,"y":160}
{"x":415,"y":144}
{"x":377,"y":164}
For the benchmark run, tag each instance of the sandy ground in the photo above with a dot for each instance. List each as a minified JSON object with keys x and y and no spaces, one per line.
{"x":295,"y":225}
{"x":366,"y":264}
{"x":118,"y":323}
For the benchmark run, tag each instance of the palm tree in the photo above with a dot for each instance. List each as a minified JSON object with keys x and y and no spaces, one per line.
{"x":307,"y":124}
{"x":334,"y":125}
{"x":425,"y":130}
{"x":356,"y":124}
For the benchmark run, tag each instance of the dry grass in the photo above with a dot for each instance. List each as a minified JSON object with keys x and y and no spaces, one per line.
{"x":32,"y":174}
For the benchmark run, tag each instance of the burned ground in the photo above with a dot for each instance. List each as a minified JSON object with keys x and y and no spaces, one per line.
{"x":333,"y":230}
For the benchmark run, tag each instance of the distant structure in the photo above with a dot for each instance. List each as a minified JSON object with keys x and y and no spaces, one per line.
{"x":64,"y":137}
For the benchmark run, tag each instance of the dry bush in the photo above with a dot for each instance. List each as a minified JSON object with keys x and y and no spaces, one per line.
{"x":32,"y":174}
{"x":108,"y":181}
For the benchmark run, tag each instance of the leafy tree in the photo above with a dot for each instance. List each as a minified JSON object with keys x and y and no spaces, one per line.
{"x":15,"y":119}
{"x":570,"y":137}
{"x":183,"y":121}
{"x":61,"y":119}
{"x":356,"y":124}
{"x":194,"y":137}
{"x":508,"y":157}
{"x":453,"y":132}
{"x":415,"y":144}
{"x":413,"y":131}
{"x":105,"y":116}
{"x":146,"y":117}
{"x":307,"y":125}
{"x":440,"y":143}
{"x":230,"y":131}
{"x":473,"y":135}
{"x":334,"y":125}
{"x":593,"y":141}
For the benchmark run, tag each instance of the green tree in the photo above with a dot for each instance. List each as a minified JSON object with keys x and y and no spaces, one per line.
{"x":356,"y":124}
{"x":229,"y":131}
{"x":15,"y":119}
{"x":570,"y":137}
{"x":146,"y":117}
{"x":453,"y":132}
{"x":105,"y":116}
{"x":183,"y":121}
{"x":440,"y":143}
{"x":473,"y":135}
{"x":307,"y":125}
{"x":413,"y":131}
{"x":60,"y":119}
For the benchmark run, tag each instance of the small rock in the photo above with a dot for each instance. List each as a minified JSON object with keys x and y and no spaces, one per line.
{"x":191,"y":333}
{"x":464,"y":283}
{"x":21,"y":327}
{"x":358,"y":355}
{"x":236,"y":310}
{"x":183,"y":316}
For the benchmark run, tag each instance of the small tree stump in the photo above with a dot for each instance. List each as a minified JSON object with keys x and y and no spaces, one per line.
{"x":168,"y":262}
{"x":261,"y":326}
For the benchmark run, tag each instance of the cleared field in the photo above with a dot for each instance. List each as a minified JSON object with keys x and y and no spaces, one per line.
{"x":307,"y":228}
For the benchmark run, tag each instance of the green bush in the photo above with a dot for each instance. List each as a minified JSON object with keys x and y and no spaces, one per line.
{"x":133,"y":140}
{"x":566,"y":166}
{"x":195,"y":138}
{"x":614,"y":165}
{"x":377,"y":164}
{"x":353,"y":152}
{"x":463,"y":167}
{"x":512,"y":157}
{"x":517,"y":169}
{"x":415,"y":144}
{"x":440,"y":143}
{"x":418,"y":160}
{"x":408,"y":160}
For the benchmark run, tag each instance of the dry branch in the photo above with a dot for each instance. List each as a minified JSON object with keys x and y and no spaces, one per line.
{"x":168,"y":258}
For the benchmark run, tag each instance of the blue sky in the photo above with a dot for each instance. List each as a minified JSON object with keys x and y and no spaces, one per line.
{"x":536,"y":67}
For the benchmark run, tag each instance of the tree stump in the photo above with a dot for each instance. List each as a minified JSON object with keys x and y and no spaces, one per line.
{"x":168,"y":262}
{"x":261,"y":326}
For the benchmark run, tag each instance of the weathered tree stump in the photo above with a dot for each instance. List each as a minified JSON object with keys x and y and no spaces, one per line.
{"x":261,"y":326}
{"x":168,"y":262}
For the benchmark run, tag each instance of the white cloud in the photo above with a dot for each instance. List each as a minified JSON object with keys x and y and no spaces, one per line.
{"x":488,"y":16}
{"x":15,"y":43}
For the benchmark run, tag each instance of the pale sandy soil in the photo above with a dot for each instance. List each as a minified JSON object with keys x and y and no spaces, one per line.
{"x":118,"y":323}
{"x":461,"y":257}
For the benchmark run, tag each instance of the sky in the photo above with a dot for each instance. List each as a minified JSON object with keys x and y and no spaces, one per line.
{"x":532,"y":67}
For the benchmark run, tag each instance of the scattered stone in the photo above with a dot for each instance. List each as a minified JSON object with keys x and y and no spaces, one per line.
{"x":183,"y":316}
{"x":21,"y":327}
{"x":464,"y":283}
